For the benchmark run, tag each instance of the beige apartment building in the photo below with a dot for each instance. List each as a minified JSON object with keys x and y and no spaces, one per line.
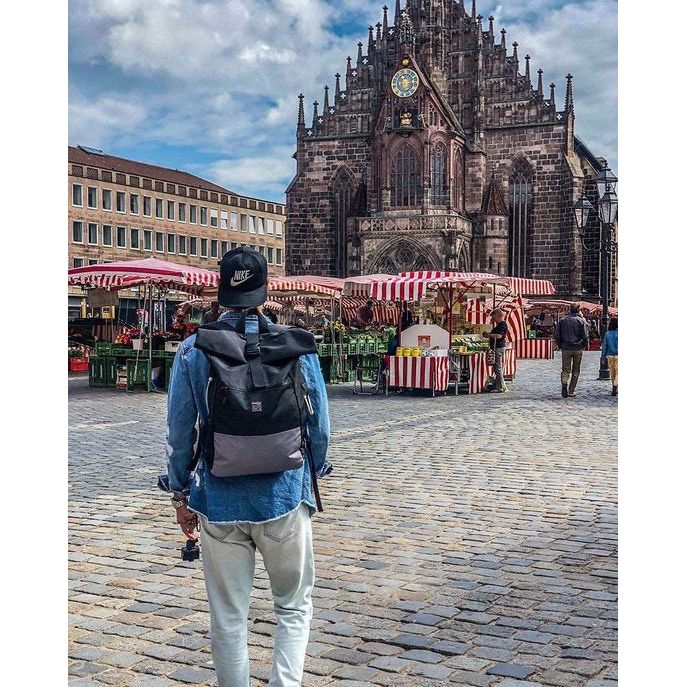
{"x":125,"y":210}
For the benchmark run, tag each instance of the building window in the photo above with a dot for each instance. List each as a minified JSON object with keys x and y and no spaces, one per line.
{"x":107,"y":199}
{"x":405,"y":178}
{"x":438,"y":190}
{"x":270,"y":227}
{"x":244,"y":226}
{"x":261,"y":225}
{"x":224,"y":220}
{"x":343,"y":200}
{"x":225,"y":247}
{"x":213,"y":248}
{"x":193,"y":246}
{"x":147,"y":206}
{"x":194,"y":213}
{"x":92,"y":233}
{"x":520,"y":220}
{"x":121,"y":237}
{"x":261,"y":250}
{"x":182,"y":212}
{"x":251,"y":224}
{"x":77,"y":232}
{"x":158,"y":208}
{"x":78,"y":262}
{"x":279,"y":228}
{"x":133,"y":239}
{"x":203,"y":248}
{"x":203,"y":215}
{"x":133,"y":203}
{"x":93,"y":261}
{"x":170,"y":209}
{"x":213,"y":217}
{"x":279,"y":256}
{"x":270,"y":255}
{"x":147,"y":239}
{"x":182,"y":245}
{"x":77,"y":194}
{"x":171,"y":241}
{"x":234,"y":221}
{"x":159,"y":242}
{"x":107,"y":234}
{"x":121,"y":201}
{"x":93,"y":197}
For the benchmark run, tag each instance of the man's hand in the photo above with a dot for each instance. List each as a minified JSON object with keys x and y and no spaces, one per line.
{"x":188,"y":521}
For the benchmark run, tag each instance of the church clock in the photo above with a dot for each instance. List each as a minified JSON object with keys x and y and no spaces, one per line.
{"x":404,"y":83}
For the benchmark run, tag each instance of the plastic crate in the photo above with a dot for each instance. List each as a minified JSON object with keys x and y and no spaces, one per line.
{"x":77,"y":364}
{"x":103,"y":348}
{"x":120,"y":350}
{"x":324,"y":350}
{"x":137,"y":373}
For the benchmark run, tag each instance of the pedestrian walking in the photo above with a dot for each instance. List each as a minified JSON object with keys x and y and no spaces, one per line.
{"x":609,"y":350}
{"x":497,"y":343}
{"x":263,"y":436}
{"x":572,"y":337}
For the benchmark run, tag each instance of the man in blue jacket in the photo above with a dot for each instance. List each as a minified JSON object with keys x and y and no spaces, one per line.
{"x":237,"y":515}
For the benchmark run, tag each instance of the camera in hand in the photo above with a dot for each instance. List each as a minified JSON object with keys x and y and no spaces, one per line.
{"x":190,"y":552}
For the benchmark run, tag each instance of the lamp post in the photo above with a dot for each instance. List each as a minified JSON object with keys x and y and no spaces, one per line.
{"x":606,"y":211}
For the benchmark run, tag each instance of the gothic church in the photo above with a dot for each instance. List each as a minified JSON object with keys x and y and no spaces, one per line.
{"x":437,"y":150}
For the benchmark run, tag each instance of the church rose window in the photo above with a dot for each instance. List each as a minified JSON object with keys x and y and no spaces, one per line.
{"x":438,"y":194}
{"x":405,"y":190}
{"x":520,"y":218}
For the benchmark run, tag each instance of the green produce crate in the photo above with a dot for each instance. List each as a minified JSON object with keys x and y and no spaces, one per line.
{"x":137,"y":374}
{"x":96,"y":372}
{"x":121,"y":350}
{"x":324,"y":350}
{"x":110,"y":364}
{"x":103,"y":348}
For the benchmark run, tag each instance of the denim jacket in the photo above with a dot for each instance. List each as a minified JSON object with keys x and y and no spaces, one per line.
{"x":610,"y":344}
{"x":252,"y":498}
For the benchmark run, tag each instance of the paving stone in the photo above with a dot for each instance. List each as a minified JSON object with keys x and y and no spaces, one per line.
{"x":511,"y":670}
{"x":193,"y":676}
{"x":409,"y":641}
{"x":434,"y":672}
{"x":421,"y":655}
{"x":390,"y":663}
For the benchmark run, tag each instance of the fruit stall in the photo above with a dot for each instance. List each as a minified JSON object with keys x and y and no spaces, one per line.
{"x":142,"y":357}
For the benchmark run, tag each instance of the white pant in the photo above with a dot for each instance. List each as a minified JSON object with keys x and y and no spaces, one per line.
{"x":228,"y":555}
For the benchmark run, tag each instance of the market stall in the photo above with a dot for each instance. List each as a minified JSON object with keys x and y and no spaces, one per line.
{"x":137,"y":357}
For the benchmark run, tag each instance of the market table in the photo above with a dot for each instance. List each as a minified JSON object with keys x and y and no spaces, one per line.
{"x":476,"y":366}
{"x":534,"y":348}
{"x":418,"y":372}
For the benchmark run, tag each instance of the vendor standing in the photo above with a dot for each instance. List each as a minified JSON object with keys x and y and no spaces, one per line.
{"x":212,"y":314}
{"x":365,"y":315}
{"x":497,"y":342}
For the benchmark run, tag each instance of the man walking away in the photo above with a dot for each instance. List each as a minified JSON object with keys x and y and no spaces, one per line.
{"x":251,"y":486}
{"x":497,"y":342}
{"x":609,"y":350}
{"x":572,"y":336}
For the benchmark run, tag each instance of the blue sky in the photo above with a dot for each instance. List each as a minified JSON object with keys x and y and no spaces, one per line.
{"x":210,"y":86}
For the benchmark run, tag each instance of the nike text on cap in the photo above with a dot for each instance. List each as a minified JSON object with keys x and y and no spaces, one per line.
{"x":242,"y":279}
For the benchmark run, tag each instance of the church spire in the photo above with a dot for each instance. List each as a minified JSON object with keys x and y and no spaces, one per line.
{"x":569,"y":105}
{"x":370,"y":40}
{"x":397,"y":15}
{"x":301,"y":111}
{"x":315,"y":114}
{"x":527,"y":69}
{"x":379,"y":34}
{"x":325,"y":107}
{"x":503,"y":38}
{"x":360,"y":54}
{"x":491,"y":26}
{"x":552,"y":86}
{"x":540,"y":83}
{"x":515,"y":51}
{"x":385,"y":21}
{"x":337,"y":88}
{"x":474,"y":10}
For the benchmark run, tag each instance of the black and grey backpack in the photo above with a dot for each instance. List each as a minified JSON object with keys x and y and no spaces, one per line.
{"x":257,"y":400}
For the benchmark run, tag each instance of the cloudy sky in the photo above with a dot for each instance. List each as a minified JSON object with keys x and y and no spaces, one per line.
{"x":211,"y":86}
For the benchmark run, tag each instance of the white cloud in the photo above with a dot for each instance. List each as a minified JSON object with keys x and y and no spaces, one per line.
{"x":222,"y":76}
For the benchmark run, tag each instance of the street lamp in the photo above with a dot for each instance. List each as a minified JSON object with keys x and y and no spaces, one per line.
{"x":607,"y":212}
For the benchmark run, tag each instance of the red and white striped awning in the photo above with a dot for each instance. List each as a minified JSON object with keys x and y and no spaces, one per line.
{"x":306,"y":284}
{"x":476,"y":311}
{"x":362,"y":286}
{"x":519,"y":285}
{"x":119,"y":275}
{"x":383,"y":312}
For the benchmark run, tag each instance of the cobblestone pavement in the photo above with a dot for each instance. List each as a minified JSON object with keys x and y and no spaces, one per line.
{"x":467,"y":540}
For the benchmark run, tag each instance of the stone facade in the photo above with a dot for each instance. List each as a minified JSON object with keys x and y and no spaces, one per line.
{"x":439,"y":151}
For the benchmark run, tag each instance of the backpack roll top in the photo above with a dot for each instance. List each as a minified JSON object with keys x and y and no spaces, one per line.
{"x":256,"y":401}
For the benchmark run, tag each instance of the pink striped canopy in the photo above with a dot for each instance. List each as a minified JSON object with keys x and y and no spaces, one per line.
{"x":325,"y":286}
{"x":119,"y":275}
{"x":519,"y":285}
{"x":476,"y":311}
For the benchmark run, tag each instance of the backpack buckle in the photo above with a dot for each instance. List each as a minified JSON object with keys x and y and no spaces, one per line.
{"x":252,"y":345}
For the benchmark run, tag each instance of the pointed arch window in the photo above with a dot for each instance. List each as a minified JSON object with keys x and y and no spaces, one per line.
{"x":343,"y":200}
{"x":405,"y":178}
{"x":520,"y":221}
{"x":438,"y":190}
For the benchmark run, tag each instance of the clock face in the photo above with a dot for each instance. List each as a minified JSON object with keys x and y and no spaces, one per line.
{"x":404,"y":83}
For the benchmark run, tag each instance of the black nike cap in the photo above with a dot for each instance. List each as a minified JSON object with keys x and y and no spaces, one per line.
{"x":242,"y":279}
